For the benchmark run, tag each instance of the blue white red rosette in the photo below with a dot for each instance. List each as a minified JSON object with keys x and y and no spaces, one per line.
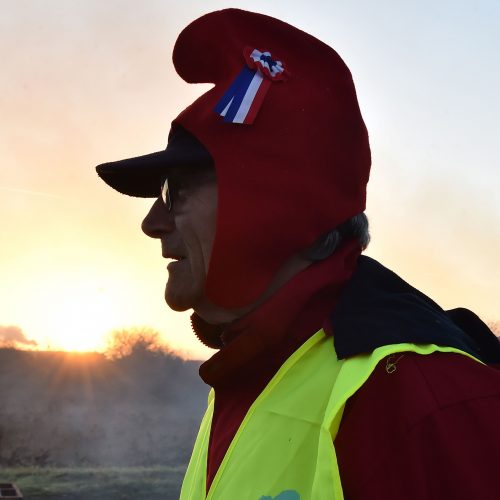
{"x":244,"y":97}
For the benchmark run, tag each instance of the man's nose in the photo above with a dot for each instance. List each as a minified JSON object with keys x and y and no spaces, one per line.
{"x":158,"y":221}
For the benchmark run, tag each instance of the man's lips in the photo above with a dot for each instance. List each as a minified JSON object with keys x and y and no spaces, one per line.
{"x":173,"y":257}
{"x":174,"y":263}
{"x":166,"y":254}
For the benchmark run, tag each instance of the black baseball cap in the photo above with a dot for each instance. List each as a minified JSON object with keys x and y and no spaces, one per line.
{"x":141,"y":176}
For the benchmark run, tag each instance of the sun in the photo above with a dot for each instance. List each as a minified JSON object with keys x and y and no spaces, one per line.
{"x":78,"y":312}
{"x":83,"y":321}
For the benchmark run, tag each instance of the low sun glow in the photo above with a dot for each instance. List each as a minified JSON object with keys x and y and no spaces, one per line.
{"x":83,"y":321}
{"x":84,"y":313}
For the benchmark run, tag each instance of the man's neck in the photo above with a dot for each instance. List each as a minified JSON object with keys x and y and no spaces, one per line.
{"x":216,"y":315}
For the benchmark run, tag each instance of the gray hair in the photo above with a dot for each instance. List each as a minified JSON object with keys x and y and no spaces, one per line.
{"x":355,"y":227}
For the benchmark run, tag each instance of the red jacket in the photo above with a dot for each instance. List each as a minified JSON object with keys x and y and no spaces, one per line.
{"x":430,"y":429}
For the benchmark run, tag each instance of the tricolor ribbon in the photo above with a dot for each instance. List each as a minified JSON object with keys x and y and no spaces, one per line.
{"x":243,"y":99}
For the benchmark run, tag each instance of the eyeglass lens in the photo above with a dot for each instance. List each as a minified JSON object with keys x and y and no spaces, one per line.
{"x":165,"y":194}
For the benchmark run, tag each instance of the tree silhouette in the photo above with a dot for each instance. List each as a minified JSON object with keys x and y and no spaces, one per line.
{"x":135,"y":341}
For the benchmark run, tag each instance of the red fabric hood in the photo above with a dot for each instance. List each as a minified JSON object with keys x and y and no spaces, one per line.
{"x":298,"y":171}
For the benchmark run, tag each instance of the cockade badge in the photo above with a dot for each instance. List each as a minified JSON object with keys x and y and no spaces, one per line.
{"x":244,"y":97}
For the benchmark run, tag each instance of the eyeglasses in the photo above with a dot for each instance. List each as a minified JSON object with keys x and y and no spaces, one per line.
{"x":190,"y":180}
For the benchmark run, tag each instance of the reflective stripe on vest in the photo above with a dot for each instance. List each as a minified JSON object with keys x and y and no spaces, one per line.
{"x":283,"y":448}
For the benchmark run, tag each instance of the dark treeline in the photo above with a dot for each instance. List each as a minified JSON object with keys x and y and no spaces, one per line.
{"x":70,"y":409}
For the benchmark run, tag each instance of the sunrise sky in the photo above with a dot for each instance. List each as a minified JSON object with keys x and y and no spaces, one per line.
{"x":84,"y":82}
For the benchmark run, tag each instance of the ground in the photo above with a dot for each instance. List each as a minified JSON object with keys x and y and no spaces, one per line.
{"x":107,"y":483}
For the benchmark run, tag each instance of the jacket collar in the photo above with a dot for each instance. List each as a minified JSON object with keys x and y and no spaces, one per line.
{"x":378,"y":308}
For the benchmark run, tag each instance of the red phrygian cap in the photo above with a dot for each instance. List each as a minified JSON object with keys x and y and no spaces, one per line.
{"x":299,"y":170}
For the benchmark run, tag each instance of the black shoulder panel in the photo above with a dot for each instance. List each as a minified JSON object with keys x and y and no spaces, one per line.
{"x":378,"y":308}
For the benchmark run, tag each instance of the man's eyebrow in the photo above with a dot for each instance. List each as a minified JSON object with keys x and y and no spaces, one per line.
{"x":174,"y":171}
{"x":190,"y":171}
{"x":198,"y":175}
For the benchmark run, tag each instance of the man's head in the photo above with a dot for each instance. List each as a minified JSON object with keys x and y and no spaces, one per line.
{"x":283,"y":129}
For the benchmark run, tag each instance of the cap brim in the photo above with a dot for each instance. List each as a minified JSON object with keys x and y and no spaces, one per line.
{"x":141,"y":176}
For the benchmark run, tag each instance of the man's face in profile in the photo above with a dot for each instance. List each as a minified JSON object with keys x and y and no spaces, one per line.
{"x":186,"y":231}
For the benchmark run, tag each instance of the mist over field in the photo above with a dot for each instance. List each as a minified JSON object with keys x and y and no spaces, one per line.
{"x":71,"y":409}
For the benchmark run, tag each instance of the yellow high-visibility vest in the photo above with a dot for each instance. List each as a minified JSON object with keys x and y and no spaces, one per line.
{"x":283,"y":449}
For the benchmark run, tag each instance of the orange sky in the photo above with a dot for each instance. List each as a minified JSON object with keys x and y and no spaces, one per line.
{"x":88,"y":82}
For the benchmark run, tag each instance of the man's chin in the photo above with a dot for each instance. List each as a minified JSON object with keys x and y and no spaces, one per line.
{"x":179,"y":300}
{"x":175,"y":304}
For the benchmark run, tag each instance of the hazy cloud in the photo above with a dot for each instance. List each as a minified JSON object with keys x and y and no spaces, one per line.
{"x":14,"y":334}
